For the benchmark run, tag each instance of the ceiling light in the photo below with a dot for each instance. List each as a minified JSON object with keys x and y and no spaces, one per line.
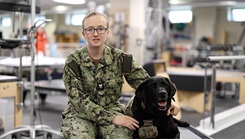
{"x":61,"y":8}
{"x":180,"y":16}
{"x":70,"y":1}
{"x":175,"y":2}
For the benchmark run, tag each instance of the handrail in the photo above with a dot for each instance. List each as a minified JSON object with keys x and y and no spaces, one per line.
{"x":220,"y":58}
{"x":213,"y":89}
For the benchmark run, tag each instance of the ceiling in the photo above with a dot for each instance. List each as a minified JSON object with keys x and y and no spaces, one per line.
{"x":48,"y":6}
{"x":202,"y":3}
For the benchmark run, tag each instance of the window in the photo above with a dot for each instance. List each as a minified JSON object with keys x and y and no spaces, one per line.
{"x":38,"y":17}
{"x":6,"y":21}
{"x":236,"y":14}
{"x":75,"y":19}
{"x":180,"y":16}
{"x":70,"y":1}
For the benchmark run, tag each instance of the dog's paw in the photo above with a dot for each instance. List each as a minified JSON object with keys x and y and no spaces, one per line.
{"x":181,"y":123}
{"x":185,"y":124}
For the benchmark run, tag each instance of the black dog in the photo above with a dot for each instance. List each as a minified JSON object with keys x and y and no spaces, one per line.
{"x":150,"y":105}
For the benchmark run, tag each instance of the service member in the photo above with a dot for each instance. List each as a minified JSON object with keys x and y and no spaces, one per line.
{"x":93,"y":77}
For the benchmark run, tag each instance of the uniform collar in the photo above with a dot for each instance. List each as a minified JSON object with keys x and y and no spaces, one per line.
{"x":105,"y":60}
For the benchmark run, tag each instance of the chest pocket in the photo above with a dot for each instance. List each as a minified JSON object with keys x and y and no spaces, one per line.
{"x":88,"y":85}
{"x":114,"y":85}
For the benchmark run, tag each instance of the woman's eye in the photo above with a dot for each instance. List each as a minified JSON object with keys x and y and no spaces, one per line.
{"x":100,"y":28}
{"x":89,"y":29}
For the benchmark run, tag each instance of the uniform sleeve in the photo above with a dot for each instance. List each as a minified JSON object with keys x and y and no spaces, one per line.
{"x":137,"y":76}
{"x":80,"y":100}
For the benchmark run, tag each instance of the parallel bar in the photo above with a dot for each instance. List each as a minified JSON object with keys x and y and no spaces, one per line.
{"x":213,"y":90}
{"x":220,"y":58}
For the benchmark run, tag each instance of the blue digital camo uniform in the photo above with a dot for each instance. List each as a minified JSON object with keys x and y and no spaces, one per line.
{"x":94,"y":96}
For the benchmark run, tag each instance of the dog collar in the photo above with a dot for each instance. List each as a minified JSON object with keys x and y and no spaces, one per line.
{"x":148,"y":122}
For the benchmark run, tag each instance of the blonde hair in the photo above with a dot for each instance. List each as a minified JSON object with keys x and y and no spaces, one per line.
{"x":93,"y":14}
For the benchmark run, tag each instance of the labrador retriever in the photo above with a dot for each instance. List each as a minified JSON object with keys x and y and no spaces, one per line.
{"x":150,"y":105}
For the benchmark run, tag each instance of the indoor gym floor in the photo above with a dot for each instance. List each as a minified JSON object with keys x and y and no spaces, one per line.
{"x":49,"y":113}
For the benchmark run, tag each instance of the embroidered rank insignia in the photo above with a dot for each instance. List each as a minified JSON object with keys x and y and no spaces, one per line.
{"x":100,"y":86}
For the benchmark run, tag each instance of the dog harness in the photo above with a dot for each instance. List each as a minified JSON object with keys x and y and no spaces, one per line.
{"x":148,"y":130}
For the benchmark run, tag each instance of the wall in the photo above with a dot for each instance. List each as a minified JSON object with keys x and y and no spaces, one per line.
{"x":232,"y":30}
{"x":59,"y":19}
{"x":204,"y":22}
{"x":212,"y":22}
{"x":118,"y":14}
{"x":137,"y":29}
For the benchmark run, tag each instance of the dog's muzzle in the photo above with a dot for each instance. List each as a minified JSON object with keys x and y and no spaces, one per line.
{"x":162,"y":99}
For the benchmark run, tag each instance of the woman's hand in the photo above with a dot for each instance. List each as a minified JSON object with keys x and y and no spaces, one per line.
{"x":174,"y":109}
{"x":126,"y":121}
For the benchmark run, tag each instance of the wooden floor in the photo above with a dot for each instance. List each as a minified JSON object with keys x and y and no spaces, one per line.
{"x":49,"y":114}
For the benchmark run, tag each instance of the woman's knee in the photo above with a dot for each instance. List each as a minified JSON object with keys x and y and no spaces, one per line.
{"x":74,"y":128}
{"x":115,"y":132}
{"x":120,"y":133}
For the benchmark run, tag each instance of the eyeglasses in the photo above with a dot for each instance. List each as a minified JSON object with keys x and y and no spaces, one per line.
{"x":100,"y":30}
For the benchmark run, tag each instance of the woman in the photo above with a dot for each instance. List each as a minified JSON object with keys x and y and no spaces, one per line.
{"x":93,"y":77}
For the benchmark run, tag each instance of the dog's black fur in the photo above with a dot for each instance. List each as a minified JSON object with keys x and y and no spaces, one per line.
{"x":151,"y":102}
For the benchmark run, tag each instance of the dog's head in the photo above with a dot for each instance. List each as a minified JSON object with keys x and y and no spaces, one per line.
{"x":155,"y":94}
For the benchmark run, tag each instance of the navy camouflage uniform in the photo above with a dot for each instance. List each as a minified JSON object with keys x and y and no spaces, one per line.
{"x":94,"y":93}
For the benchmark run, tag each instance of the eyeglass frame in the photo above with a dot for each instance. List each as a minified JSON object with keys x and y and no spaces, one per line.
{"x":92,"y":32}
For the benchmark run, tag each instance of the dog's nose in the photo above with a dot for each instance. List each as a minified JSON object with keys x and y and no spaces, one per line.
{"x":163,"y":94}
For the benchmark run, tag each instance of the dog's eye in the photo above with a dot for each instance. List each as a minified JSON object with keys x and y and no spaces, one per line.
{"x":164,"y":84}
{"x":153,"y":85}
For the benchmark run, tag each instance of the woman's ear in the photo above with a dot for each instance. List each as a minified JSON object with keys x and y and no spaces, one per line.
{"x":108,"y":31}
{"x":84,"y":35}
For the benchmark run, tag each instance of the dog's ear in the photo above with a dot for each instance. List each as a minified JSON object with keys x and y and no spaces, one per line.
{"x":172,"y":87}
{"x":140,"y":92}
